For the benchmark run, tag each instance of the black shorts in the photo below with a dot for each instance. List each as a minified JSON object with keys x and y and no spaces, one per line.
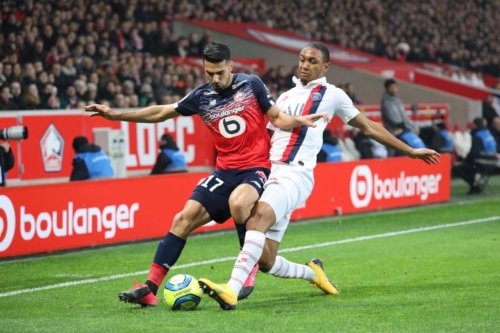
{"x":213,"y":192}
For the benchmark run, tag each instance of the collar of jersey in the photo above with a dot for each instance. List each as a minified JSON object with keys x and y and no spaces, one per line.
{"x":298,"y":84}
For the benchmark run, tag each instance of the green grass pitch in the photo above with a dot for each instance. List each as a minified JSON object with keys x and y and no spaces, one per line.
{"x":427,"y":280}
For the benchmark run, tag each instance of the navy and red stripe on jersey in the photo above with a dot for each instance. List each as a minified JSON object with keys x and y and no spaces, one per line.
{"x":299,"y":133}
{"x":236,"y":117}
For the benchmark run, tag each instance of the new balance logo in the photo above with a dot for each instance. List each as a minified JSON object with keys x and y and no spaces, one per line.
{"x":256,"y":183}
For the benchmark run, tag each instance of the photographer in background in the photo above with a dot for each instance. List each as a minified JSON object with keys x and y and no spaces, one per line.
{"x":6,"y":161}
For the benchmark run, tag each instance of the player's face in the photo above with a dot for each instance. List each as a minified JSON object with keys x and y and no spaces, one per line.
{"x":219,"y":74}
{"x":311,"y":65}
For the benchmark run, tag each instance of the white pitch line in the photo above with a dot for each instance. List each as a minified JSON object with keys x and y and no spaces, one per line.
{"x":292,"y":249}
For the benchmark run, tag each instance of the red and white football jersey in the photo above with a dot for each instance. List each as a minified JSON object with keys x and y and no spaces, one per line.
{"x":301,"y":145}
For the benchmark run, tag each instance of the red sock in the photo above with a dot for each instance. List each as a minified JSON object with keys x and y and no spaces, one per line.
{"x":157,"y":274}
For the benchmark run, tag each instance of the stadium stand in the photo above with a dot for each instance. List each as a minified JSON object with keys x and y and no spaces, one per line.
{"x":430,"y":31}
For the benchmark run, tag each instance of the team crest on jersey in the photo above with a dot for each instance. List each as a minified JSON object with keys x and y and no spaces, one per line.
{"x":212,"y":102}
{"x":316,"y":96}
{"x":239,"y":96}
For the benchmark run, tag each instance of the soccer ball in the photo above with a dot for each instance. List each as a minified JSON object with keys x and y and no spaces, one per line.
{"x":182,"y":292}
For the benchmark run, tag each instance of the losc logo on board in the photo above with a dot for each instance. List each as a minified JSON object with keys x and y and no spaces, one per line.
{"x":365,"y":186}
{"x":52,"y":147}
{"x":7,"y":222}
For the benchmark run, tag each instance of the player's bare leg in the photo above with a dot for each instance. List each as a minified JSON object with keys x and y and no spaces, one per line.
{"x":313,"y":271}
{"x":193,"y":215}
{"x":242,"y":202}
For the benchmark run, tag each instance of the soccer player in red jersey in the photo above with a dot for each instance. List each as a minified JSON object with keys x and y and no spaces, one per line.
{"x":236,"y":108}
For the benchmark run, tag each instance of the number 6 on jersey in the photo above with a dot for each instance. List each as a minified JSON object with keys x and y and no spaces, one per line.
{"x":232,"y":126}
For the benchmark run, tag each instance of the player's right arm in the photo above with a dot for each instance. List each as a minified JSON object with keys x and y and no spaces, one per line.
{"x":151,"y":114}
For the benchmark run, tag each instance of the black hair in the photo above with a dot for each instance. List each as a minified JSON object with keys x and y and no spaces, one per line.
{"x":322,"y":47}
{"x":389,"y":83}
{"x":479,"y":122}
{"x":169,"y":142}
{"x":79,"y":142}
{"x":216,"y":52}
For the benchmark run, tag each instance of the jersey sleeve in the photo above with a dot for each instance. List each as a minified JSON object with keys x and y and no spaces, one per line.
{"x":343,"y":107}
{"x":262,"y":94}
{"x":188,"y":106}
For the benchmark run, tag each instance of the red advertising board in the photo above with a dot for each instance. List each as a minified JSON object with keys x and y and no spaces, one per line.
{"x":437,"y":82}
{"x":48,"y":152}
{"x":378,"y":184}
{"x":46,"y":218}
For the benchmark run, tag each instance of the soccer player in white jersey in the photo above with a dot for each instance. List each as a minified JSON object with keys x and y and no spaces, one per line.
{"x":293,"y":158}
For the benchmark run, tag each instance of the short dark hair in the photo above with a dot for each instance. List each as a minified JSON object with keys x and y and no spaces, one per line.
{"x":479,"y":122}
{"x":216,"y":52}
{"x":389,"y":83}
{"x":322,"y":47}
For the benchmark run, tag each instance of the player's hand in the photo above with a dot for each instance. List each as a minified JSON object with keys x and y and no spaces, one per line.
{"x":102,"y":111}
{"x":429,"y":156}
{"x":311,"y":118}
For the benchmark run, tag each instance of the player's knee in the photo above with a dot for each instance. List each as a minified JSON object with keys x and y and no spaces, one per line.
{"x":260,"y":220}
{"x":265,"y":264}
{"x":240,"y":209}
{"x":181,"y":225}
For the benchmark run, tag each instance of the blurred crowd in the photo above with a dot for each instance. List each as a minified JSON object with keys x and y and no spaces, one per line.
{"x":455,"y":32}
{"x":66,"y":54}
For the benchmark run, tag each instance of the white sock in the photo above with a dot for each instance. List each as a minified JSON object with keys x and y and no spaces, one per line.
{"x":248,"y":257}
{"x":287,"y":269}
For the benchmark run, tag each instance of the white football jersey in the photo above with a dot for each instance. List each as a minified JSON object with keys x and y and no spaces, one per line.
{"x":300,"y":145}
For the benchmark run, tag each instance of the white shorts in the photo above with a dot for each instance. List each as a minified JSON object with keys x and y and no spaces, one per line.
{"x":286,"y":189}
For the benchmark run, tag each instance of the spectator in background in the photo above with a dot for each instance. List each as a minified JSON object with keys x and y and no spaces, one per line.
{"x":170,"y":159}
{"x":330,"y":150}
{"x":31,"y":97}
{"x":483,"y":146}
{"x":6,"y":104}
{"x":441,"y":140}
{"x":363,"y":143}
{"x":393,"y":110}
{"x":407,"y":136}
{"x":495,"y":131}
{"x":349,"y":90}
{"x":6,"y":161}
{"x":90,"y":161}
{"x":489,"y":112}
{"x":17,"y":98}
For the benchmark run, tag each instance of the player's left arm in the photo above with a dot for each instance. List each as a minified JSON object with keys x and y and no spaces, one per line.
{"x":378,"y":133}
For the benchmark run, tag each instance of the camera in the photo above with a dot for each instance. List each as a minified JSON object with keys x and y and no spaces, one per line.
{"x":14,"y":133}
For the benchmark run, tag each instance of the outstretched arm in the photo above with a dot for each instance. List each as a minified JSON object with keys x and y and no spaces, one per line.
{"x":378,"y":133}
{"x":281,"y":120}
{"x":151,"y":114}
